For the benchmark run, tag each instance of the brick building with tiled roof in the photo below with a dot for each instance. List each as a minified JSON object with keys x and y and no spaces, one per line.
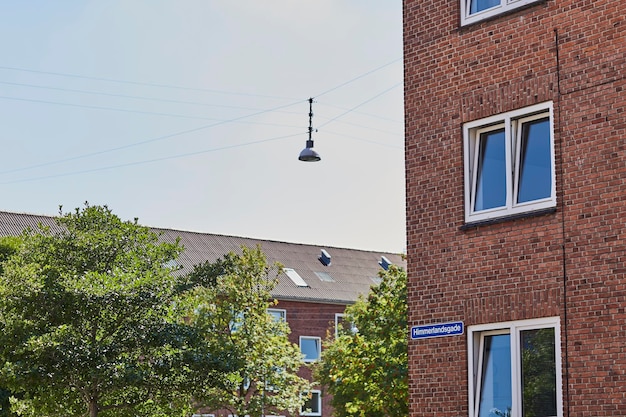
{"x":312,"y":293}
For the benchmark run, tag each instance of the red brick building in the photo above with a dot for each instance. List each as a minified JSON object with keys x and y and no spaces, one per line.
{"x":516,"y":207}
{"x":312,"y":293}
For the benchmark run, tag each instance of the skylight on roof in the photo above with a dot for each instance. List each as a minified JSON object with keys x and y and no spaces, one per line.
{"x":324,"y":276}
{"x":295,"y":277}
{"x":377,"y":280}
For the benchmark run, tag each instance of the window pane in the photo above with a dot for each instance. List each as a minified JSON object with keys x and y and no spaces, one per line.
{"x":538,"y":373}
{"x":312,"y":404}
{"x":495,"y":390}
{"x":491,"y":174}
{"x":277,"y":315}
{"x":535,"y":176}
{"x":480,"y":5}
{"x":310,"y":348}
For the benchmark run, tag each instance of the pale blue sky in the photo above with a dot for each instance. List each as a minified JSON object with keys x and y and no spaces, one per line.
{"x":190,"y":114}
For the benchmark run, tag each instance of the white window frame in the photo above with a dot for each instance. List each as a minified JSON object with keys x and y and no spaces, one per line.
{"x":279,"y":312}
{"x":339,"y":317}
{"x":295,"y":277}
{"x":512,"y":123}
{"x":319,"y":403}
{"x":468,"y":18}
{"x":514,"y":328}
{"x":319,"y":347}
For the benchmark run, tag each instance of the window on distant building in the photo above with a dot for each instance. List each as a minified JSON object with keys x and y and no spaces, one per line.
{"x":344,"y":327}
{"x":515,"y":369}
{"x":509,"y":163}
{"x":313,"y":404}
{"x":477,"y":10}
{"x":278,"y":314}
{"x":340,"y":324}
{"x":311,"y":348}
{"x":275,"y":374}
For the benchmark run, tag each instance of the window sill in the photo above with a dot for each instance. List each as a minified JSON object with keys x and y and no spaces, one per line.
{"x":472,"y":21}
{"x":487,"y":222}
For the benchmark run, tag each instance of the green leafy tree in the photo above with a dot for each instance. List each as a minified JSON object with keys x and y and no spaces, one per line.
{"x":9,"y":245}
{"x":365,"y":368}
{"x":231,"y":309}
{"x":86,"y":326}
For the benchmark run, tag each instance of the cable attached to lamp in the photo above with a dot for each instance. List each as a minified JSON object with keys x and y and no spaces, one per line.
{"x":309,"y":154}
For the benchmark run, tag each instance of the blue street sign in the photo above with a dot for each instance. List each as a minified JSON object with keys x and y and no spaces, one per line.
{"x":437,"y":330}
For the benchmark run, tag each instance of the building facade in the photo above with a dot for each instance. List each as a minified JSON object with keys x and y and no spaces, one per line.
{"x":312,"y":293}
{"x":516,"y":200}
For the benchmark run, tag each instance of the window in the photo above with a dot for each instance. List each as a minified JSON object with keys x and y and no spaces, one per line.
{"x":313,"y":405}
{"x":509,"y":163}
{"x":311,"y":348}
{"x":237,"y":321}
{"x":295,"y":277}
{"x":343,"y":327}
{"x":476,"y":10}
{"x":324,"y":276}
{"x":515,"y":369}
{"x":278,"y":314}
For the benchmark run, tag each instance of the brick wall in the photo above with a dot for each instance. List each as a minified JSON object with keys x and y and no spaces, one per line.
{"x":570,"y":263}
{"x":311,"y":319}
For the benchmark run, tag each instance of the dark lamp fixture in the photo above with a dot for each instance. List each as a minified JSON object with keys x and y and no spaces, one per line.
{"x":308,"y":154}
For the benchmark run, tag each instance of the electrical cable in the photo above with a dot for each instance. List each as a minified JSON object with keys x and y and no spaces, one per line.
{"x":148,"y":161}
{"x":189,"y":130}
{"x":155,"y":99}
{"x":358,"y":77}
{"x":112,"y":80}
{"x":360,"y":139}
{"x":87,"y":106}
{"x":131,"y":145}
{"x":361,"y":104}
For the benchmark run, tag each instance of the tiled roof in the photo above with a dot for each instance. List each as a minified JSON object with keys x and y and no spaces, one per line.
{"x":352,"y":271}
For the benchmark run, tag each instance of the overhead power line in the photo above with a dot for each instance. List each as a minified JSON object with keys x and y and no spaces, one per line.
{"x":150,"y":113}
{"x":141,"y":83}
{"x":131,"y":145}
{"x":148,"y":161}
{"x":360,"y":104}
{"x":134,"y":97}
{"x":144,"y":142}
{"x":358,"y":78}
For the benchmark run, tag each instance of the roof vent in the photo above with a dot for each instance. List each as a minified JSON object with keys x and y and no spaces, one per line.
{"x":384,"y":263}
{"x":324,"y":258}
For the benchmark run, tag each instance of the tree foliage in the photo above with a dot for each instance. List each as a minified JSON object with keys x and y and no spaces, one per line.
{"x":9,"y":245}
{"x":86,"y":325}
{"x":230,"y":307}
{"x":365,"y":368}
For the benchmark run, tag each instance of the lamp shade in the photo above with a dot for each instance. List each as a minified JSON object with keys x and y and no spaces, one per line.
{"x":308,"y":154}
